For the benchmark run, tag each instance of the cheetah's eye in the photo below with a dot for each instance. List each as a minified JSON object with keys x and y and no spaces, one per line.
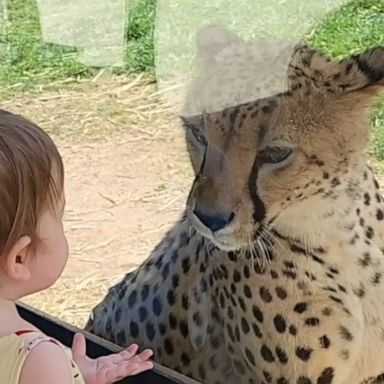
{"x":198,"y":136}
{"x":192,"y":124}
{"x":274,"y":155}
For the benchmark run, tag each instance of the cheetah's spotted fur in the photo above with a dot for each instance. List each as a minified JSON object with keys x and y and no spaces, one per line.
{"x":275,"y":273}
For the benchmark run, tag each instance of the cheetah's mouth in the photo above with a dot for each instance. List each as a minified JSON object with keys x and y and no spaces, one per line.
{"x":223,"y":239}
{"x":226,"y":239}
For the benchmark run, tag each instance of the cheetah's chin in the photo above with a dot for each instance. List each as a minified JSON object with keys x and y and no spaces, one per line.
{"x":224,"y":243}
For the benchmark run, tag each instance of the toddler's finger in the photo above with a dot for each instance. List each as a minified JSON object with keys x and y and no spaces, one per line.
{"x":129,"y":352}
{"x":145,"y":355}
{"x":79,"y":345}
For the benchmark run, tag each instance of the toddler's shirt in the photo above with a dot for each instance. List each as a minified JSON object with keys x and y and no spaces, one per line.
{"x":14,"y":349}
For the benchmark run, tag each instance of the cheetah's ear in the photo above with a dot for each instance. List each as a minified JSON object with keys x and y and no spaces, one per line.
{"x":362,"y":73}
{"x":211,"y":40}
{"x":358,"y":74}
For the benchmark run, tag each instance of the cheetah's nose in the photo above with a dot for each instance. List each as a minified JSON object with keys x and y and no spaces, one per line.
{"x":214,"y":222}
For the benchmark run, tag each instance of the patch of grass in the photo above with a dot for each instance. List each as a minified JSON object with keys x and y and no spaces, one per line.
{"x":355,"y":27}
{"x":28,"y":62}
{"x":140,"y":42}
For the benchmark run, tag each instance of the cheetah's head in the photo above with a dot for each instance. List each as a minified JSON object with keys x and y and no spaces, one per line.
{"x":273,"y":160}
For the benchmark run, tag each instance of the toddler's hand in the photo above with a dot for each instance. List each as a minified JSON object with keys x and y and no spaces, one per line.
{"x":112,"y":368}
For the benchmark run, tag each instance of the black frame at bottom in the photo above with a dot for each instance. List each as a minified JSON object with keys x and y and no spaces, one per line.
{"x":97,"y":347}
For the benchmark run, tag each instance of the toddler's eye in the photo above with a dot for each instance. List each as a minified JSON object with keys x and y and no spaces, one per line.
{"x":274,"y":155}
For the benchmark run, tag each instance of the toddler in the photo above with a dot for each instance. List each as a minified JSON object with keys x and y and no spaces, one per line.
{"x":33,"y":254}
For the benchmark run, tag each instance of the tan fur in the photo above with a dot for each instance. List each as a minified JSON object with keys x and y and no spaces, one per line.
{"x":275,"y":274}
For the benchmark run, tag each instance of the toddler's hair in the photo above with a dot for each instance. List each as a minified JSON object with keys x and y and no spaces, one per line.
{"x":31,"y":178}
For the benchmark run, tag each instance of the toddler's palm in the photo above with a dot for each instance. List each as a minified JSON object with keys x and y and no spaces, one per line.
{"x":112,"y":368}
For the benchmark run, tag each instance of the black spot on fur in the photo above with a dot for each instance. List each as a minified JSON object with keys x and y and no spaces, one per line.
{"x":172,"y":321}
{"x":133,"y":329}
{"x":132,"y":299}
{"x":245,"y":326}
{"x":231,"y":333}
{"x":267,"y":376}
{"x":183,"y":326}
{"x":247,"y":292}
{"x":345,"y":333}
{"x":165,"y":272}
{"x":304,"y":380}
{"x":281,"y":355}
{"x":168,"y":346}
{"x":242,"y":304}
{"x":327,"y":311}
{"x":185,"y":359}
{"x":290,"y":274}
{"x":376,"y":278}
{"x":326,"y":376}
{"x":143,"y":314}
{"x":369,"y":233}
{"x":312,"y":321}
{"x":281,"y":293}
{"x":265,"y":295}
{"x":157,"y":306}
{"x":280,"y":323}
{"x":171,"y":298}
{"x":300,"y":307}
{"x":197,"y":319}
{"x":256,"y":330}
{"x":150,"y":331}
{"x":121,"y":338}
{"x":249,"y":356}
{"x":325,"y":342}
{"x":186,"y":265}
{"x":236,"y":276}
{"x":267,"y":354}
{"x":274,"y":274}
{"x":118,"y":315}
{"x":303,"y":353}
{"x":258,"y":314}
{"x":335,"y":182}
{"x":185,"y":302}
{"x":365,"y":260}
{"x":336,"y":299}
{"x":108,"y":325}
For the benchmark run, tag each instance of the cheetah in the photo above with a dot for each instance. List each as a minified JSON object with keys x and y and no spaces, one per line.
{"x":275,"y":271}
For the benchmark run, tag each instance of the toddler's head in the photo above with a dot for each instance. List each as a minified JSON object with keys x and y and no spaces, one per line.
{"x":33,"y":247}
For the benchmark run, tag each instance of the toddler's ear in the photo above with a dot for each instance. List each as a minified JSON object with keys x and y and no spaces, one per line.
{"x":15,"y":263}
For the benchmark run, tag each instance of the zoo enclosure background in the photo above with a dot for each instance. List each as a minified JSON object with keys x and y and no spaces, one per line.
{"x":29,"y":64}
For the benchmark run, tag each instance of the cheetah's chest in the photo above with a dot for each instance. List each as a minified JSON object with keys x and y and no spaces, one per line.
{"x":276,"y":316}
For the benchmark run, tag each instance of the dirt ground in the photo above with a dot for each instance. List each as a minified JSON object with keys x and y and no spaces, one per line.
{"x":127,"y":178}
